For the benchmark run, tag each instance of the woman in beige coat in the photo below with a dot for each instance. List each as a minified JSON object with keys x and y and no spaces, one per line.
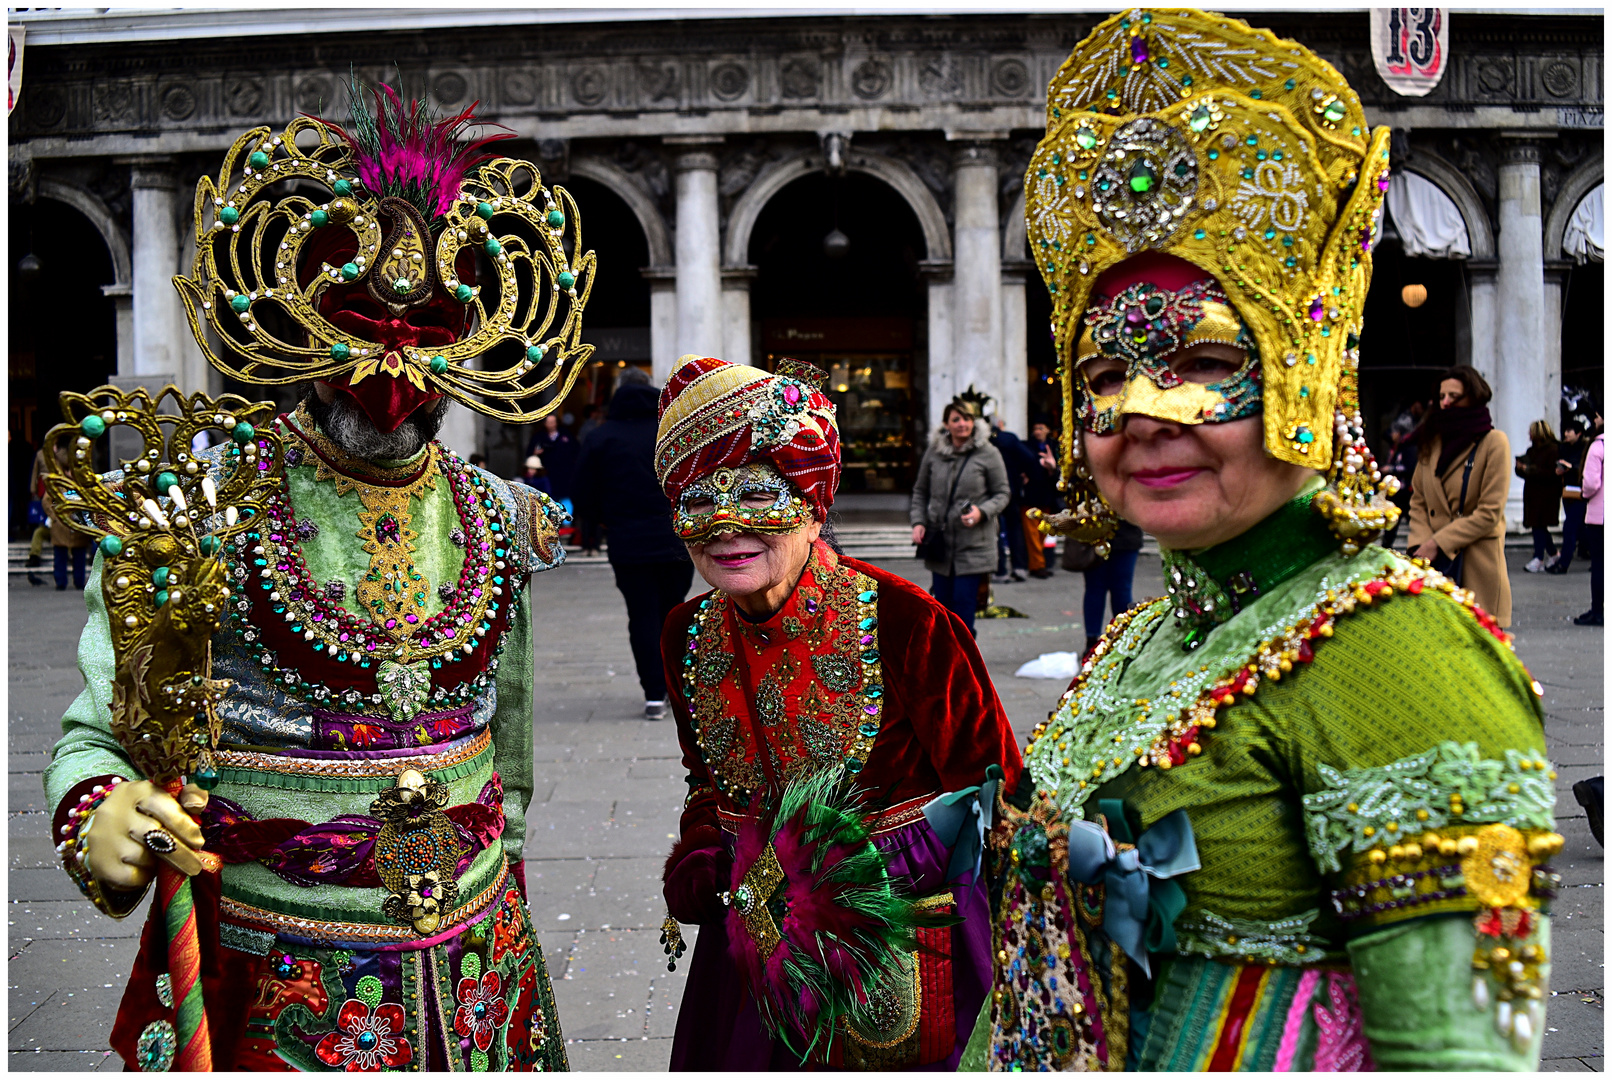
{"x":1459,"y":431}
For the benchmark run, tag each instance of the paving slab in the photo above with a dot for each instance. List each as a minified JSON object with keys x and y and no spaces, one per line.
{"x":609,"y":792}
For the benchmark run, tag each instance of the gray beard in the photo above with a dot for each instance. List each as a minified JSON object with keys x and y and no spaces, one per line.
{"x":346,"y":425}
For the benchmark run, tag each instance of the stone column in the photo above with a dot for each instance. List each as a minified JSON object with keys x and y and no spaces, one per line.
{"x":1556,"y":272}
{"x":736,"y":333}
{"x":942,"y":385}
{"x":160,"y":329}
{"x":1521,"y":394}
{"x":662,"y":321}
{"x":977,"y":289}
{"x":1014,"y":399}
{"x":1481,"y":281}
{"x":698,"y":245}
{"x":122,"y":296}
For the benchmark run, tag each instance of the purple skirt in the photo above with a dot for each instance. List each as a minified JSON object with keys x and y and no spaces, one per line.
{"x":720,"y":1030}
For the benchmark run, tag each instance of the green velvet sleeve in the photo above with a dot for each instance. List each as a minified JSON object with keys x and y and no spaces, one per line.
{"x":512,"y":725}
{"x":1415,"y":982}
{"x":87,"y":748}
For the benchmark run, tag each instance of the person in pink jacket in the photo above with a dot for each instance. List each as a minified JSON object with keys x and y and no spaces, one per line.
{"x":1594,"y":525}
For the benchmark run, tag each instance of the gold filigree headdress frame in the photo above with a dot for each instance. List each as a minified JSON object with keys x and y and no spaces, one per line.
{"x":1198,"y":136}
{"x":250,"y":238}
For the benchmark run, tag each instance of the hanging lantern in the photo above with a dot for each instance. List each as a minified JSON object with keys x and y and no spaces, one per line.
{"x":1414,"y":295}
{"x":836,"y":245}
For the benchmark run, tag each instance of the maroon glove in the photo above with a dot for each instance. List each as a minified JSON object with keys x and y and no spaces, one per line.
{"x":697,"y":871}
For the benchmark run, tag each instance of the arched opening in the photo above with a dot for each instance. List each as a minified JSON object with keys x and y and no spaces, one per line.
{"x":1044,"y":393}
{"x":62,"y":334}
{"x":616,"y":321}
{"x":1583,"y":334}
{"x":860,"y":317}
{"x":1403,"y":348}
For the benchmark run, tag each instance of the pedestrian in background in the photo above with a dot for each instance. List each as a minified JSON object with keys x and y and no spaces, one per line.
{"x":533,"y":475}
{"x":1108,"y":581}
{"x":1541,"y":491}
{"x":1592,"y":536}
{"x":617,"y":488}
{"x":1570,"y":468}
{"x":1041,"y":492}
{"x":1458,"y":501}
{"x":65,"y":543}
{"x":559,"y":453}
{"x":1011,"y":542}
{"x":1400,"y":464}
{"x":962,"y":488}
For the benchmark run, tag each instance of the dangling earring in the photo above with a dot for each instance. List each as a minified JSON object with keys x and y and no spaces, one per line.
{"x":1356,"y":501}
{"x":1089,"y":519}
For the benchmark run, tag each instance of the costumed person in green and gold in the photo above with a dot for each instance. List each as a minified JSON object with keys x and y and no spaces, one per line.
{"x":1297,"y":814}
{"x":374,"y":667}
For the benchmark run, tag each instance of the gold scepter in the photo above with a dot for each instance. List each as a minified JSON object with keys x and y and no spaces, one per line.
{"x":160,"y":524}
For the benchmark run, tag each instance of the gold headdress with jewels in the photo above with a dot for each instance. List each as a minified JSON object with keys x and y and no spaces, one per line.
{"x":401,"y":202}
{"x":1200,"y":137}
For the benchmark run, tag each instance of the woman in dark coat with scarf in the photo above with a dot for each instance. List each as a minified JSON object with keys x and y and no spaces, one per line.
{"x":1541,"y":491}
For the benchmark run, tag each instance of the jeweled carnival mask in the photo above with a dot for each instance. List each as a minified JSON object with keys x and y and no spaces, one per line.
{"x":1139,"y":354}
{"x":751,"y":498}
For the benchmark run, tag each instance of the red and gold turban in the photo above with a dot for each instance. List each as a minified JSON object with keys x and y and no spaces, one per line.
{"x":715,"y":414}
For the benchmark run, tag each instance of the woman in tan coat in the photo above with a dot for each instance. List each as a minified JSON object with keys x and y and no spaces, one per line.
{"x":65,"y":542}
{"x":1456,"y":435}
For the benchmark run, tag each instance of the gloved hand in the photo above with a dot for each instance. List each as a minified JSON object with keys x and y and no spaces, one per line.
{"x":119,"y":857}
{"x":697,"y":872}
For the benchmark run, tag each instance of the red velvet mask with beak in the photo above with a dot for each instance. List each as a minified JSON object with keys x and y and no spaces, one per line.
{"x":428,"y":317}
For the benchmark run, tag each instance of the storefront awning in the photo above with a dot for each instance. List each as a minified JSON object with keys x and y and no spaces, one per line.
{"x":1582,"y":240}
{"x":1426,"y":219}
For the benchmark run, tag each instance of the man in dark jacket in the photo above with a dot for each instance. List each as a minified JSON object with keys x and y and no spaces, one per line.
{"x":1020,"y":464}
{"x":616,"y":487}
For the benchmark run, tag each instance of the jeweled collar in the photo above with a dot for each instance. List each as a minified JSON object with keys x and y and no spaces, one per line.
{"x":379,"y":472}
{"x":802,"y":613}
{"x":1209,"y":586}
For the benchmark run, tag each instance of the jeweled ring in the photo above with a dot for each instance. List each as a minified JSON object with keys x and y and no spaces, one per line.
{"x":161,"y":842}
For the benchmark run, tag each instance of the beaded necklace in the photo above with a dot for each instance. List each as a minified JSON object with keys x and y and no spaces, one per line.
{"x":395,"y":653}
{"x":851,"y":667}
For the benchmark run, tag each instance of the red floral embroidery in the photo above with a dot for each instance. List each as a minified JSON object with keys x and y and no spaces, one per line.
{"x":366,"y":1041}
{"x":481,"y":1009}
{"x":528,"y":1030}
{"x":364,"y":734}
{"x":509,"y":929}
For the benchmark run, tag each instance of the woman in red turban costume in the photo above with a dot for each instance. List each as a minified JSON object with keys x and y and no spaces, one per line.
{"x":837,"y":725}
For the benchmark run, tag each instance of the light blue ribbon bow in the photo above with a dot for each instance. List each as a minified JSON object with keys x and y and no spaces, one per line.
{"x":1138,"y":913}
{"x":951,"y":815}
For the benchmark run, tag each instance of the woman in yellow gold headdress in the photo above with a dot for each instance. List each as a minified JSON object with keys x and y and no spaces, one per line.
{"x":1244,"y":841}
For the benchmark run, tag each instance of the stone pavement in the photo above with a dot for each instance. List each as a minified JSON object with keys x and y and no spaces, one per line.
{"x":609,"y":788}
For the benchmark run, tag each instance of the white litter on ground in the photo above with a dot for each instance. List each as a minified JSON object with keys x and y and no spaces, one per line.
{"x":1051,"y":665}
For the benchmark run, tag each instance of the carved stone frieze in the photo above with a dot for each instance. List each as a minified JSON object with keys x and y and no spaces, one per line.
{"x":897,"y":63}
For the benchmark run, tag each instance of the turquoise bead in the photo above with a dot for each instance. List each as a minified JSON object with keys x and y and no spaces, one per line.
{"x":242,"y":433}
{"x":868,"y":623}
{"x":229,"y":215}
{"x":867,"y":596}
{"x":210,"y":545}
{"x":464,"y":294}
{"x":493,"y":246}
{"x":534,"y":353}
{"x":166,"y":480}
{"x":484,"y":211}
{"x":159,"y":577}
{"x":853,"y":766}
{"x":869,"y":729}
{"x":239,"y":303}
{"x":349,"y":272}
{"x":438,"y":365}
{"x":205,"y":777}
{"x":566,"y":279}
{"x":258,"y":160}
{"x":343,"y":188}
{"x":93,"y":426}
{"x":556,"y":219}
{"x":340,"y":351}
{"x":111,"y":546}
{"x":319,"y":218}
{"x":161,"y":598}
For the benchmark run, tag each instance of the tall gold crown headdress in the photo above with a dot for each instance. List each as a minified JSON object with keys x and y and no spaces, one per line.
{"x":1198,"y":136}
{"x":257,"y":276}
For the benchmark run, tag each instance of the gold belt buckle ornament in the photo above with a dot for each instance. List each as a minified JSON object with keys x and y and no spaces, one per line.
{"x":753,"y":897}
{"x":417,"y":851}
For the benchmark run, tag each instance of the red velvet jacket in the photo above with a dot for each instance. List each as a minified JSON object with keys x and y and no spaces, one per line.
{"x":942,"y":726}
